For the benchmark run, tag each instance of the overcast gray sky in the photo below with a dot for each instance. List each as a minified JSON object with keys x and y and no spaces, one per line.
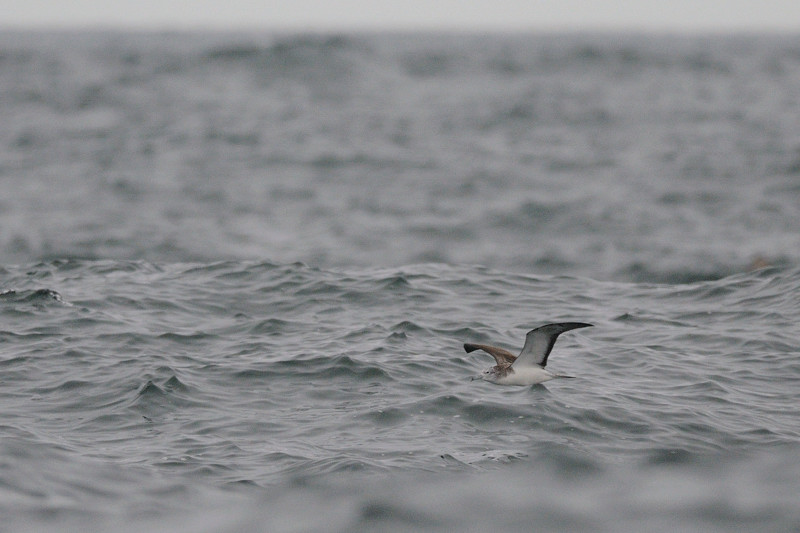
{"x":689,"y":15}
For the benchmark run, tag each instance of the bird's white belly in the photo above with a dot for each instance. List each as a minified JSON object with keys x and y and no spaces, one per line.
{"x":525,"y":376}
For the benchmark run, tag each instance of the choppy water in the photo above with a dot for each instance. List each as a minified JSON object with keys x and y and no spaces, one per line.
{"x":238,"y":271}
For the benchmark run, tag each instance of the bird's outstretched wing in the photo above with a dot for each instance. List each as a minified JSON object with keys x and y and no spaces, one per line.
{"x":503,"y":357}
{"x":539,"y":342}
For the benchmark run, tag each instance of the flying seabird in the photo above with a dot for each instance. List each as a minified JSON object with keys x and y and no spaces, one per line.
{"x":528,"y":367}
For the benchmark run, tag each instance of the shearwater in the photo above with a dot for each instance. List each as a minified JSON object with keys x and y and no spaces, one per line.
{"x":528,"y":367}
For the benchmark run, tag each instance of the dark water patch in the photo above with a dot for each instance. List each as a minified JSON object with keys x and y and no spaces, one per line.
{"x":127,"y":339}
{"x":407,"y":327}
{"x":427,"y":64}
{"x":234,"y":139}
{"x":255,"y":374}
{"x":150,"y":390}
{"x":32,"y":336}
{"x":174,"y":384}
{"x":457,"y":335}
{"x":532,"y":216}
{"x":395,"y":283}
{"x":11,"y":362}
{"x":384,"y":514}
{"x":363,"y":333}
{"x":233,"y":52}
{"x":338,"y":366}
{"x":318,"y":288}
{"x":242,"y":483}
{"x":121,"y":421}
{"x":645,"y":319}
{"x":36,"y":297}
{"x":345,"y":366}
{"x":442,"y":229}
{"x":64,"y":387}
{"x":671,"y":456}
{"x":302,"y":57}
{"x":492,"y":414}
{"x":331,"y":161}
{"x":418,"y":372}
{"x":274,"y":327}
{"x":644,"y":274}
{"x":233,"y":270}
{"x":704,"y":198}
{"x":397,"y":337}
{"x":155,"y":400}
{"x":330,"y":467}
{"x":702,"y":62}
{"x":440,"y":404}
{"x":387,"y":417}
{"x":614,"y":420}
{"x":187,"y":338}
{"x":699,"y":388}
{"x":569,"y":463}
{"x":310,"y":42}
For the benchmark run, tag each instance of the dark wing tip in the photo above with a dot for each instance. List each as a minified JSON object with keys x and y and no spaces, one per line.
{"x":577,"y":324}
{"x":470,"y":348}
{"x":567,"y":326}
{"x":562,"y":327}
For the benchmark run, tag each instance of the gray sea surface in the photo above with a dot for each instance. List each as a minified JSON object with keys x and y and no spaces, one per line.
{"x":237,"y":271}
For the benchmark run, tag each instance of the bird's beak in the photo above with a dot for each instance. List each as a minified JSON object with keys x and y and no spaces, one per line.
{"x":473,"y":378}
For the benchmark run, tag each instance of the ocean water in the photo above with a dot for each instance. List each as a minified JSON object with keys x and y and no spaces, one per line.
{"x":238,"y":270}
